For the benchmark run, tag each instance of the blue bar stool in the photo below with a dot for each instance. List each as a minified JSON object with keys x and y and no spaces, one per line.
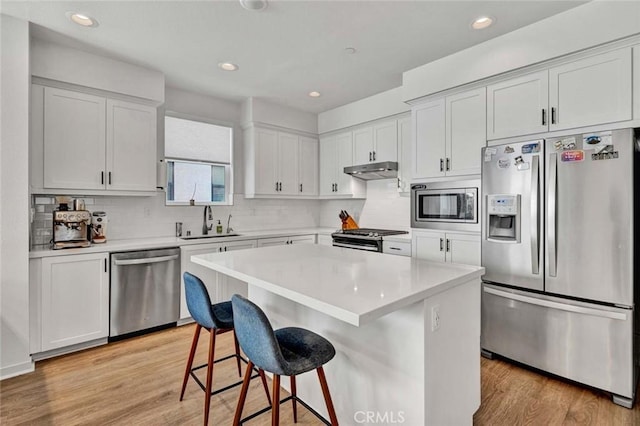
{"x":285,"y":352}
{"x":216,"y":319}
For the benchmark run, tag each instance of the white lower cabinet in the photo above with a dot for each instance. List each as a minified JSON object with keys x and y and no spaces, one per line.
{"x":399,"y":248}
{"x":454,"y":247}
{"x":70,"y":298}
{"x":219,"y":286}
{"x":281,"y":241}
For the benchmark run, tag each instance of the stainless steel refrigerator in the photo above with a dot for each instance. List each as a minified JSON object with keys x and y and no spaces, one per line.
{"x":558,"y":247}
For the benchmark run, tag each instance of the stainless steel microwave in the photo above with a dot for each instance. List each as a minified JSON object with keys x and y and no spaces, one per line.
{"x":445,"y":205}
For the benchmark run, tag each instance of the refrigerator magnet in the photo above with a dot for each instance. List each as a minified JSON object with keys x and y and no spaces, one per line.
{"x":530,"y":148}
{"x":508,"y":149}
{"x":503,"y":163}
{"x":571,"y":156}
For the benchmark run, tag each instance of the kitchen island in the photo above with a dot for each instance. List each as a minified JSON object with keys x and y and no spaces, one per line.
{"x":406,"y":331}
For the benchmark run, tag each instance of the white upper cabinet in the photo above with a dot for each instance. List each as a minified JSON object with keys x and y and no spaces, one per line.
{"x":280,"y":164}
{"x":636,"y":82}
{"x":466,"y":132}
{"x":376,"y":143}
{"x":586,"y":92}
{"x":404,"y":154}
{"x":336,"y":153}
{"x":518,"y":106}
{"x":428,"y":139}
{"x":308,"y":173}
{"x":74,"y":130}
{"x":88,"y":142}
{"x":591,"y":91}
{"x":131,"y":146}
{"x":448,"y":135}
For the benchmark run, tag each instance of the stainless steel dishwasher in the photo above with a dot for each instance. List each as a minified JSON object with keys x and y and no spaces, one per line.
{"x":145,"y":290}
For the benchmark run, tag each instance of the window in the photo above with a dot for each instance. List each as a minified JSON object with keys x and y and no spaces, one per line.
{"x":198,"y":156}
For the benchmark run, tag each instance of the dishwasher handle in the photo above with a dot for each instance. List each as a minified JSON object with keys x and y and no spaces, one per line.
{"x":144,"y":261}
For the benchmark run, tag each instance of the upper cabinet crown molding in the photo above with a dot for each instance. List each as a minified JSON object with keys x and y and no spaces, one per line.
{"x":92,"y":145}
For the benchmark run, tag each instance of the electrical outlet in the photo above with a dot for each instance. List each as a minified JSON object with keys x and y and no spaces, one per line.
{"x":435,"y":317}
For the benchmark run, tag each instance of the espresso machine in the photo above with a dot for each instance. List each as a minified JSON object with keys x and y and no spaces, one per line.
{"x":71,"y":228}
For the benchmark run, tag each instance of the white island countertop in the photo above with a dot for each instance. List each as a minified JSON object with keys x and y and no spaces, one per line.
{"x":354,"y":286}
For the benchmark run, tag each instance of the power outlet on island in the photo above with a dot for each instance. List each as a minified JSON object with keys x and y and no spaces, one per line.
{"x":435,"y":317}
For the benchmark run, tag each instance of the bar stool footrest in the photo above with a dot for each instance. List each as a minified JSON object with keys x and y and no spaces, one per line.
{"x":282,"y":401}
{"x":233,"y":385}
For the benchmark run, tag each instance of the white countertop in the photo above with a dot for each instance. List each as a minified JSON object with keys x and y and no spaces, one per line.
{"x":351,"y":285}
{"x":164,"y":242}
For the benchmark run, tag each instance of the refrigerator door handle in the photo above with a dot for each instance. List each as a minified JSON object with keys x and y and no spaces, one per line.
{"x":556,"y":305}
{"x":535,"y":216}
{"x":551,"y":214}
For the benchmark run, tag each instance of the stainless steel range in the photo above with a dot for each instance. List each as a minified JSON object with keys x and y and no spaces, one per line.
{"x":368,"y":239}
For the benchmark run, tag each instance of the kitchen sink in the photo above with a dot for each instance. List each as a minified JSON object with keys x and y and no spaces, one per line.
{"x":199,"y":237}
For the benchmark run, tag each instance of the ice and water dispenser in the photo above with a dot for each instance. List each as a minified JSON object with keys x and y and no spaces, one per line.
{"x":503,"y":211}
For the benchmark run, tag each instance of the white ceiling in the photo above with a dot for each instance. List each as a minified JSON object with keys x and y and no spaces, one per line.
{"x":286,"y":50}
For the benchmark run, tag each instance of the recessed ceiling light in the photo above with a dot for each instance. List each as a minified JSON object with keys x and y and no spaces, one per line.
{"x":82,"y":19}
{"x":228,"y":66}
{"x":482,"y":22}
{"x":314,"y":94}
{"x":254,"y":5}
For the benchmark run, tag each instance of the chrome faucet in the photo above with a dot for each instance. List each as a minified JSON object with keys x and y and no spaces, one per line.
{"x":206,"y":228}
{"x":229,"y":229}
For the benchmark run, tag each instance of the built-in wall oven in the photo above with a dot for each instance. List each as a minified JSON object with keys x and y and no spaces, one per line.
{"x":451,"y":205}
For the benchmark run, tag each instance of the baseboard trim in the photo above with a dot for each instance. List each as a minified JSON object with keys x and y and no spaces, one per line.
{"x":17,"y":370}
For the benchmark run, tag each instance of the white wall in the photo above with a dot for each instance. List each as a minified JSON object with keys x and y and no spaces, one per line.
{"x":371,"y":108}
{"x":62,"y":63}
{"x":259,"y":111}
{"x":14,"y":193}
{"x":384,"y":208}
{"x":585,"y":26}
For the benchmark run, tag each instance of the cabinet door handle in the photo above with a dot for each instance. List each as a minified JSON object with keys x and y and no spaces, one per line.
{"x":109,"y":178}
{"x":300,"y":187}
{"x":441,"y":165}
{"x":399,"y":185}
{"x":448,"y":164}
{"x":441,"y":244}
{"x":105,"y":265}
{"x":374,"y":156}
{"x":544,"y":117}
{"x":553,"y":115}
{"x":369,"y":155}
{"x":276,"y":186}
{"x":101,"y":178}
{"x":448,"y":245}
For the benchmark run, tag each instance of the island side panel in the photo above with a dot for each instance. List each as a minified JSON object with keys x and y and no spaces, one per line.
{"x":378,"y":373}
{"x":452,"y":355}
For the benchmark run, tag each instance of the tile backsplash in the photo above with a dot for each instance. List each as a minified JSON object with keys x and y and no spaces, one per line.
{"x":144,"y":217}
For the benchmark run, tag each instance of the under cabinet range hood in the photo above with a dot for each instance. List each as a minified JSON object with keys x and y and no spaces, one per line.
{"x":371,"y":171}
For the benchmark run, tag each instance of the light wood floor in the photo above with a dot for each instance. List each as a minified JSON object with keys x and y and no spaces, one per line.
{"x":137,"y":382}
